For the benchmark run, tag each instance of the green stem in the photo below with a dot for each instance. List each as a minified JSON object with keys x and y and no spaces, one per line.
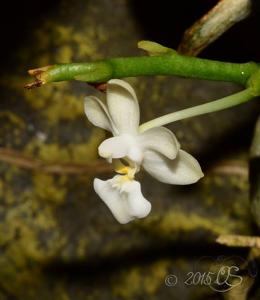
{"x":170,"y":64}
{"x":179,"y":65}
{"x":209,"y":107}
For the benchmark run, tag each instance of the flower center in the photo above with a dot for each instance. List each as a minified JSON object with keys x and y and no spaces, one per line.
{"x":122,"y":169}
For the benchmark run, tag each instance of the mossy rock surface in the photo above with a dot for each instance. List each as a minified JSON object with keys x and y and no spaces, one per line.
{"x":57,"y":239}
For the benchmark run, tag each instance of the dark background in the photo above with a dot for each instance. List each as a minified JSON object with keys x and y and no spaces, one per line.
{"x":157,"y":22}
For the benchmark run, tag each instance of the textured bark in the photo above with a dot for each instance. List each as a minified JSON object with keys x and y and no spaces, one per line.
{"x":255,"y":174}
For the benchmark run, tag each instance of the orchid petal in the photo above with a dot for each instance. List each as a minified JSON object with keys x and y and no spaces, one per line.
{"x":160,"y":139}
{"x":97,"y":113}
{"x":137,"y":205}
{"x":185,"y":169}
{"x":114,"y":147}
{"x":123,"y":106}
{"x":124,"y":199}
{"x":112,"y":198}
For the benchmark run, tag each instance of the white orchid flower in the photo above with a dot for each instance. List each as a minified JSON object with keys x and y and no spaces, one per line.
{"x":156,"y":150}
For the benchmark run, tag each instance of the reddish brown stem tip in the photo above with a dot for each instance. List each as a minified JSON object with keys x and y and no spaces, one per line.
{"x":102,"y":87}
{"x":35,"y":84}
{"x":39,"y":77}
